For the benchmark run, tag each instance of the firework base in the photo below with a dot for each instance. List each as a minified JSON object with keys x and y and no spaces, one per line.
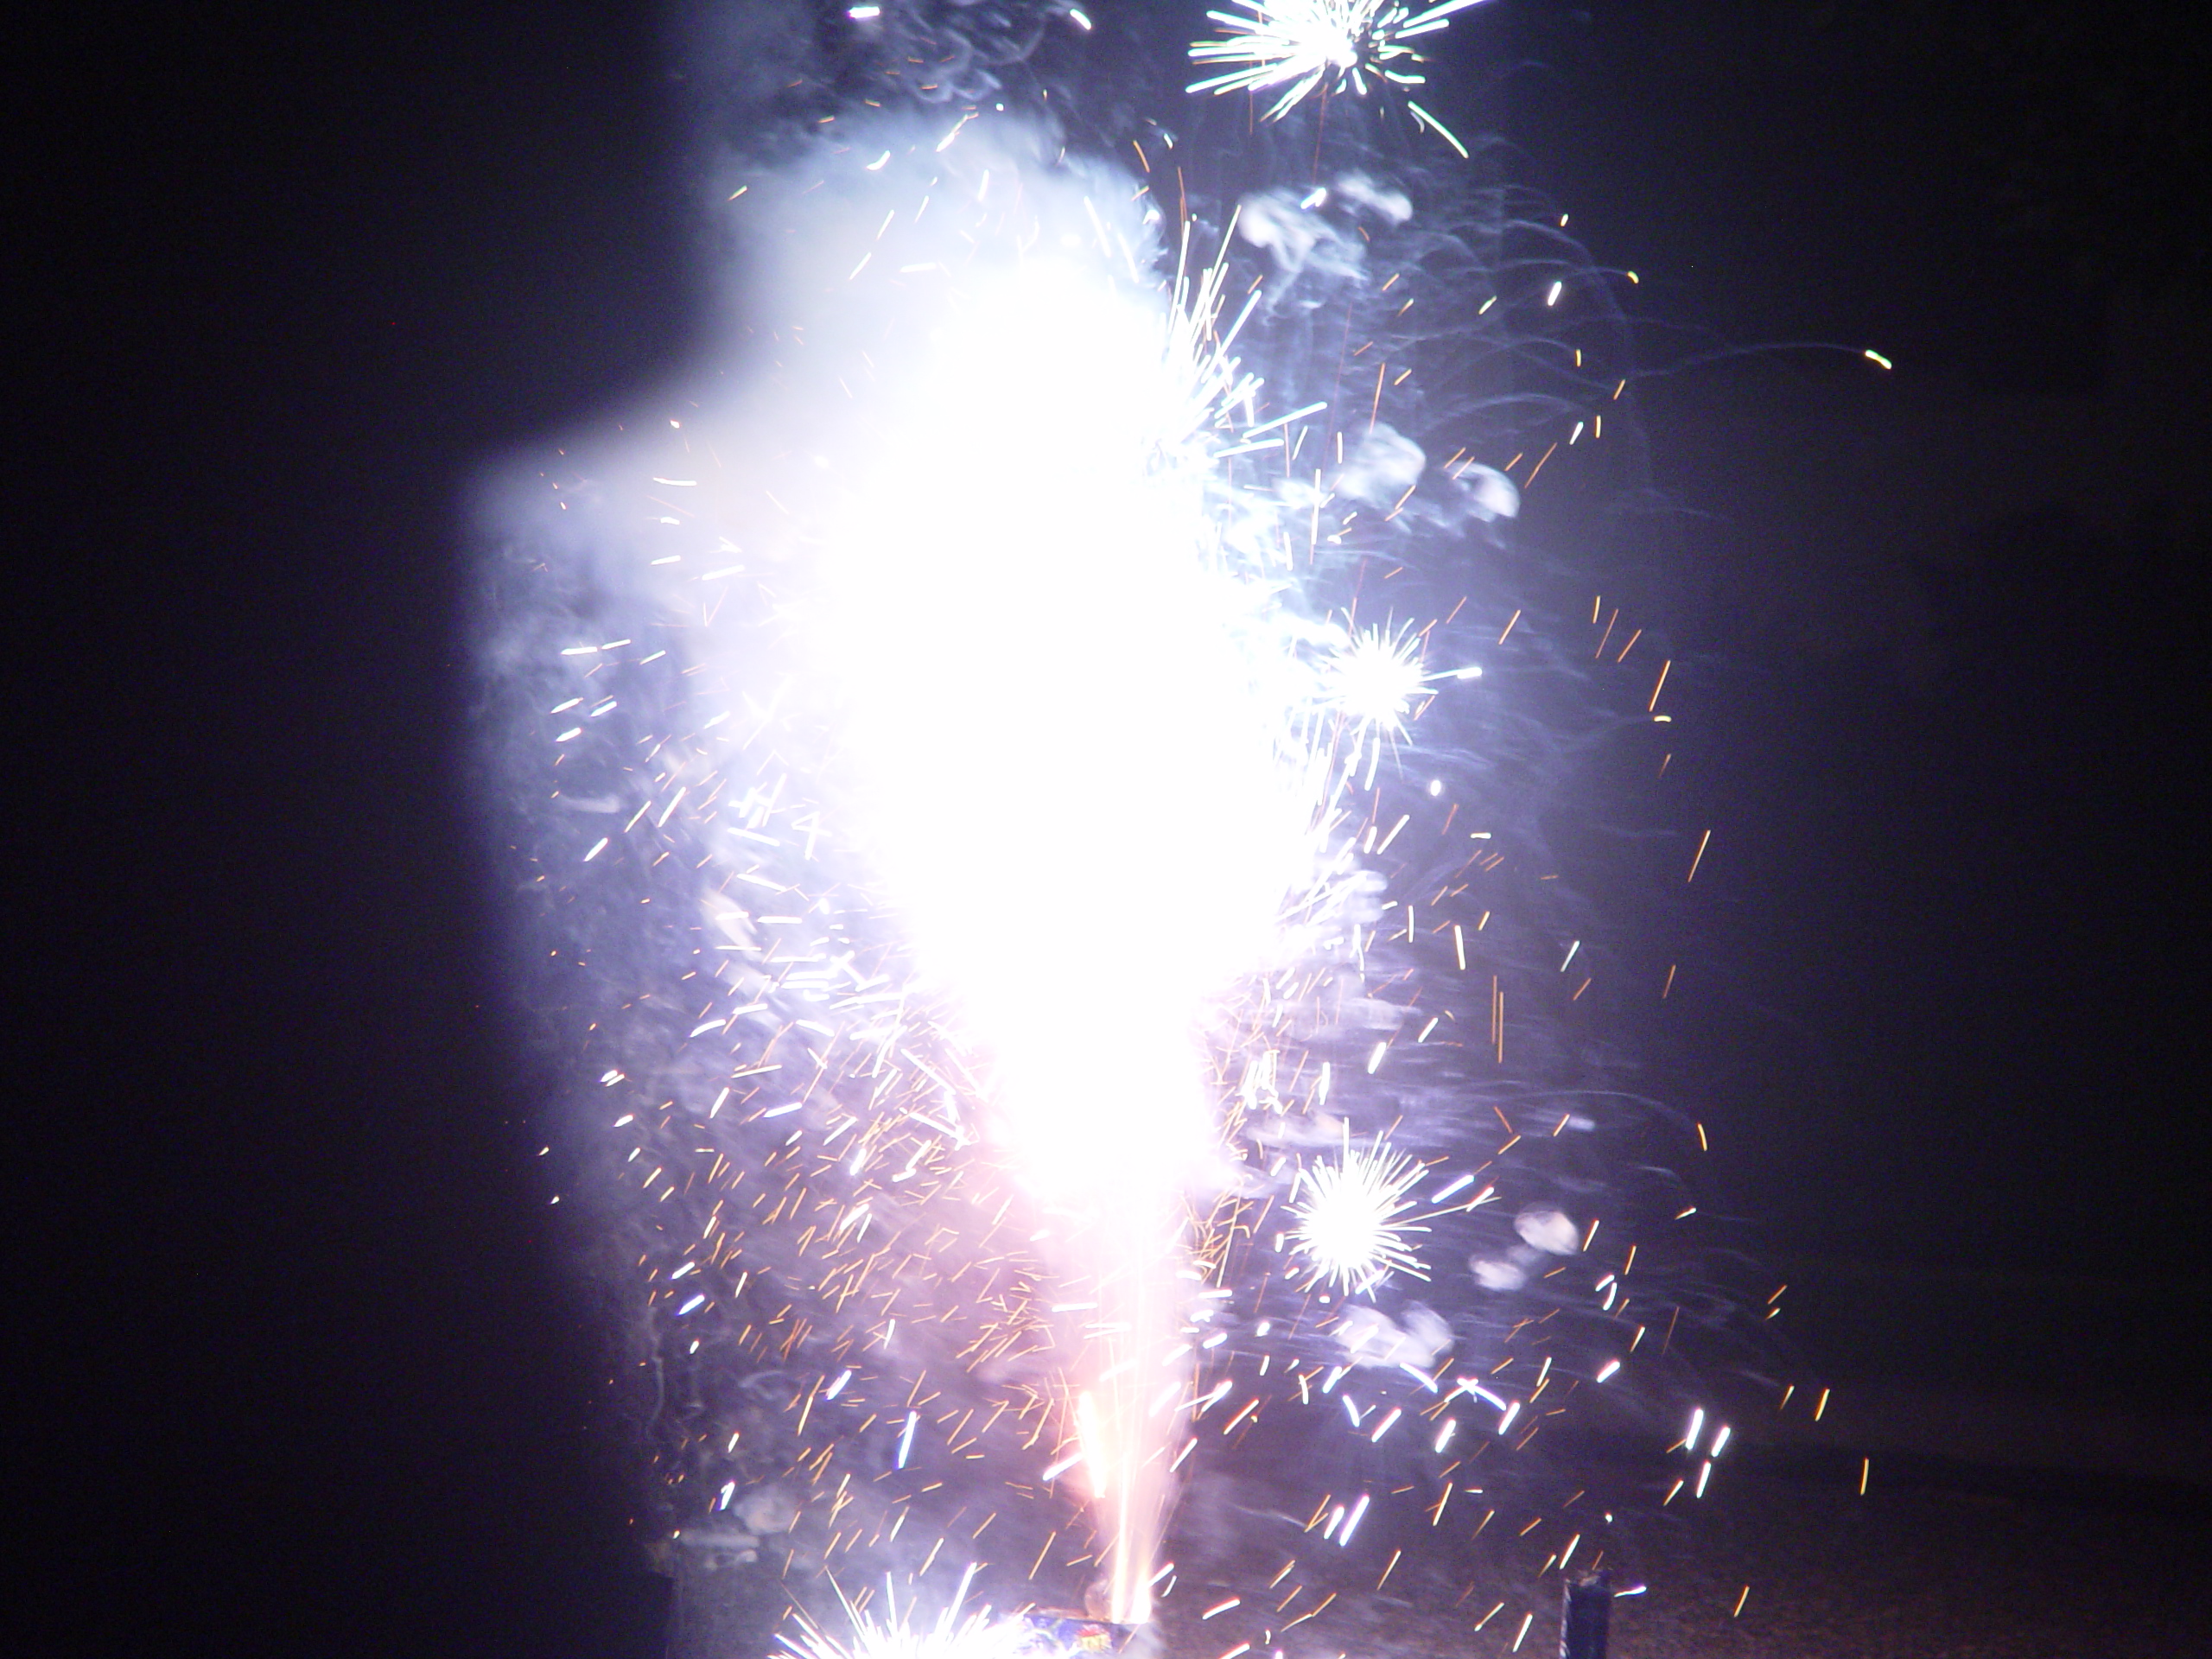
{"x":1586,"y":1618}
{"x":1073,"y":1636}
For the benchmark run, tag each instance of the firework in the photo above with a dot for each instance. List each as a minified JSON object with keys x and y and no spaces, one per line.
{"x":1037,"y":954}
{"x":894,"y":1634}
{"x":1376,"y":678}
{"x":1353,"y":1229}
{"x":1304,"y":47}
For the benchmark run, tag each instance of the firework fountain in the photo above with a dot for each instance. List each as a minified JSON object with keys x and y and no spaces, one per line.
{"x":1029,"y":785}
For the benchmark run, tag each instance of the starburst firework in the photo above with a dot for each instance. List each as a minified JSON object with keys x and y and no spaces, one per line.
{"x":952,"y":1635}
{"x":1352,"y":1226}
{"x":1308,"y":46}
{"x":1374,"y":678}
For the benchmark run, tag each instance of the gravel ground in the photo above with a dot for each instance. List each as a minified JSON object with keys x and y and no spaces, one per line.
{"x":1951,"y":1567}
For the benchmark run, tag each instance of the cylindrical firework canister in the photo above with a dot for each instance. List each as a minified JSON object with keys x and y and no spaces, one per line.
{"x":1586,"y":1618}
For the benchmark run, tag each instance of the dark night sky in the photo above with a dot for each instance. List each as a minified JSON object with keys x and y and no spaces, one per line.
{"x":1941,"y":635}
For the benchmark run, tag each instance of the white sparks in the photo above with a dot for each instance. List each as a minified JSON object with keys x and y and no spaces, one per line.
{"x":1351,"y":1227}
{"x":1303,"y":47}
{"x":1373,"y":678}
{"x":891,"y":1636}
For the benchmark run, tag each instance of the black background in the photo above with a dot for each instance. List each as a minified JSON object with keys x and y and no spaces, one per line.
{"x":301,"y":1357}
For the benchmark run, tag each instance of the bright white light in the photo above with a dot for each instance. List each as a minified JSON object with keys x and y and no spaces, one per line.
{"x":1352,"y":1229}
{"x":1375,"y":677}
{"x":1075,"y":744}
{"x":1070,"y":760}
{"x":978,"y":1636}
{"x":1305,"y":45}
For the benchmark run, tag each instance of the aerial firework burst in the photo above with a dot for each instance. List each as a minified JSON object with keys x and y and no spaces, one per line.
{"x":1294,"y":48}
{"x":1047,"y":974}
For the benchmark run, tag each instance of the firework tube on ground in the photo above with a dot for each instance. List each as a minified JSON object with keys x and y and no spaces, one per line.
{"x":1586,"y":1618}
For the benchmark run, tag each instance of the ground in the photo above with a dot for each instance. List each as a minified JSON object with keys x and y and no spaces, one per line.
{"x":1938,"y":1563}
